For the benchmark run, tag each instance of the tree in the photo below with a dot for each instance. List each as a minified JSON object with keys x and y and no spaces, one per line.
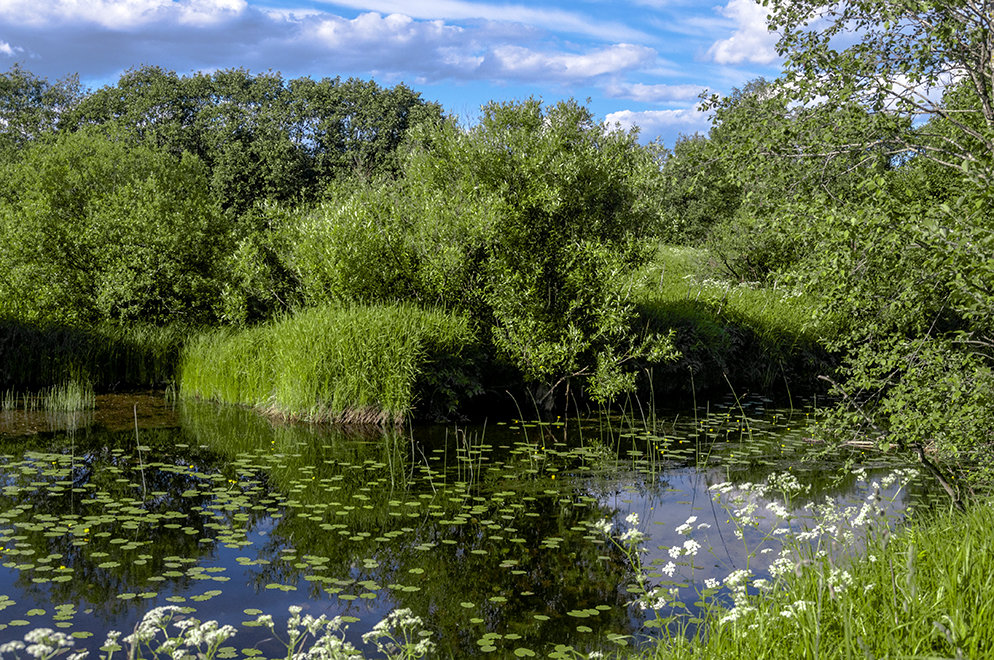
{"x":31,"y":107}
{"x":262,"y":138}
{"x":532,"y":222}
{"x":907,"y":264}
{"x":700,"y":192}
{"x":895,"y":57}
{"x":97,"y":229}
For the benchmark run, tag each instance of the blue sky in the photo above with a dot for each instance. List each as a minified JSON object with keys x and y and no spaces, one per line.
{"x":639,"y":62}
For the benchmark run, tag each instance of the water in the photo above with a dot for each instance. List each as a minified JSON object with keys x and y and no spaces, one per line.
{"x":485,"y":532}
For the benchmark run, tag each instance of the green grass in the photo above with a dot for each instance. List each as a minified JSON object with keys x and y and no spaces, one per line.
{"x":759,"y":337}
{"x":71,"y":396}
{"x":923,"y":592}
{"x":346,"y":364}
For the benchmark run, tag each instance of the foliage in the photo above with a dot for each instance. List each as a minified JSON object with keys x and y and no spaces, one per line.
{"x":96,"y":230}
{"x":790,"y":166}
{"x":370,"y":364}
{"x":892,"y":57}
{"x":526,"y":222}
{"x":865,"y":174}
{"x":261,"y":137}
{"x":699,"y":191}
{"x":31,"y":108}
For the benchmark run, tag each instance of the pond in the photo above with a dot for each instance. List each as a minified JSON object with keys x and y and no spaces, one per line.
{"x":493,"y":535}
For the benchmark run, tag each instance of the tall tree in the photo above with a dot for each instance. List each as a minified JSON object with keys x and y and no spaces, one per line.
{"x":31,"y":107}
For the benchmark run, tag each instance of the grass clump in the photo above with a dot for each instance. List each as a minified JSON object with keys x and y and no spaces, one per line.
{"x":71,"y":396}
{"x":921,"y":592}
{"x":358,"y":364}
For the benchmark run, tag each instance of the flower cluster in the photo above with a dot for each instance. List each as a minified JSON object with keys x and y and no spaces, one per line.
{"x":400,"y":634}
{"x":44,"y":643}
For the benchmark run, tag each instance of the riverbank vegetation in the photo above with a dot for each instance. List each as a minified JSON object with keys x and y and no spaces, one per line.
{"x":336,"y":251}
{"x":336,"y":364}
{"x":797,"y":240}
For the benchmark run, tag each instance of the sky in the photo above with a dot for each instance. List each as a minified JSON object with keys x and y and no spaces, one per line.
{"x":639,"y":62}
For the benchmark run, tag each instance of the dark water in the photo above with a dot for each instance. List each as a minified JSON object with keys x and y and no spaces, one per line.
{"x":485,"y":532}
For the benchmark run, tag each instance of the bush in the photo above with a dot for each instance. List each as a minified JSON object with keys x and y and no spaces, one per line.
{"x":528,"y":223}
{"x":93,"y":229}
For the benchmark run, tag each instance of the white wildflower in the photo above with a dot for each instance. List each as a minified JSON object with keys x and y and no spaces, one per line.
{"x":711,"y":583}
{"x":778,"y":510}
{"x":839,"y":580}
{"x":632,"y":519}
{"x":604,"y":526}
{"x":669,"y":569}
{"x":632,"y":536}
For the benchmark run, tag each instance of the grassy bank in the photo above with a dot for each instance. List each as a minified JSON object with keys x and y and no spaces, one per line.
{"x":763,"y":339}
{"x":35,"y":356}
{"x":346,"y":364}
{"x":922,"y":592}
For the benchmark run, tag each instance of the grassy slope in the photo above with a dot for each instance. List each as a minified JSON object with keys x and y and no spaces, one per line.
{"x":759,"y":338}
{"x":926,"y":593}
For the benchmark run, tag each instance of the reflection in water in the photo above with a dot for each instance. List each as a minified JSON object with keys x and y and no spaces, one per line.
{"x":481,"y":531}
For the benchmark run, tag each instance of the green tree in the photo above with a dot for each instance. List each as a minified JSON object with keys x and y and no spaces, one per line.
{"x":31,"y":107}
{"x":94,"y":228}
{"x":262,"y":138}
{"x":894,"y":58}
{"x":532,"y":222}
{"x":699,"y":192}
{"x":909,"y":263}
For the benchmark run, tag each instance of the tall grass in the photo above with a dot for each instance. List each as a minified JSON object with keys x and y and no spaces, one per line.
{"x":35,"y":356}
{"x":348,"y":364}
{"x":71,"y":396}
{"x":923,"y":592}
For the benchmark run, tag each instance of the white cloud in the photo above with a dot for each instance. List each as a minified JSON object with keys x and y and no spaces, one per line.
{"x":119,"y":14}
{"x":551,"y":19}
{"x":654,"y":93}
{"x":751,"y":41}
{"x":652,"y":122}
{"x":384,"y":31}
{"x":8,"y":50}
{"x":517,"y":61}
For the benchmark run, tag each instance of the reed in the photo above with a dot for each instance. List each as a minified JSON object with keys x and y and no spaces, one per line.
{"x":36,"y":356}
{"x":359,"y":364}
{"x":71,"y":396}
